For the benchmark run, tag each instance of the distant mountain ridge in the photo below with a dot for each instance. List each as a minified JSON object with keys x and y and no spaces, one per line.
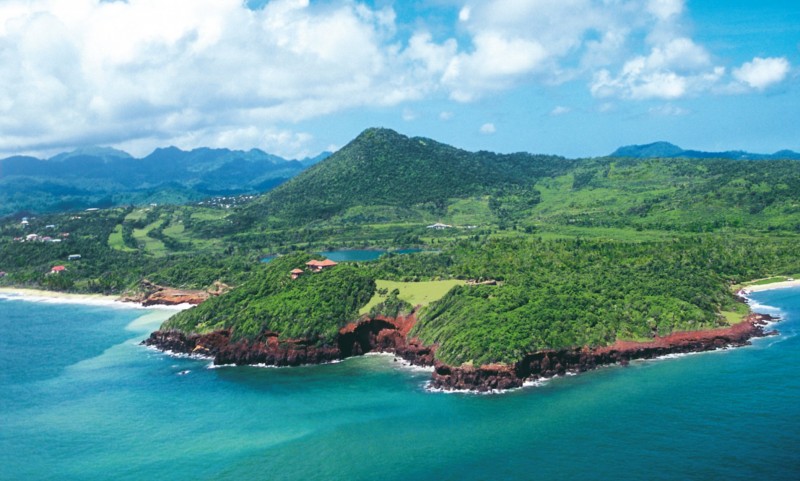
{"x":668,"y":150}
{"x":104,"y":177}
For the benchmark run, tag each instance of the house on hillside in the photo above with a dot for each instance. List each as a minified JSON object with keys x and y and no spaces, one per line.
{"x":73,"y":257}
{"x":318,"y":266}
{"x":439,"y":226}
{"x":57,"y":269}
{"x":296,"y":273}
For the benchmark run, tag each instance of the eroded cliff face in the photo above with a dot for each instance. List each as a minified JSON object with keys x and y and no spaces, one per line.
{"x":381,"y":334}
{"x":385,"y":334}
{"x":549,"y":363}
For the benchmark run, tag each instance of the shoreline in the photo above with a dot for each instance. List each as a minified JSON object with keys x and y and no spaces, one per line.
{"x":388,"y":335}
{"x":56,"y":297}
{"x":547,"y":364}
{"x":28,"y":294}
{"x":768,"y":287}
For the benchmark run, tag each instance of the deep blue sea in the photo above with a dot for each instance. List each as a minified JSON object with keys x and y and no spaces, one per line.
{"x":81,"y":400}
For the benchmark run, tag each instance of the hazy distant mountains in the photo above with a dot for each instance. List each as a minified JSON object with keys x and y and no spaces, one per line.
{"x":104,"y":177}
{"x":668,"y":150}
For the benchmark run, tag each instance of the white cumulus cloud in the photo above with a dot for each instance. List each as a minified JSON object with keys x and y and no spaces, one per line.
{"x":193,"y":72}
{"x":488,"y":128}
{"x":672,"y":70}
{"x":665,"y":9}
{"x":760,"y":73}
{"x":147,"y":73}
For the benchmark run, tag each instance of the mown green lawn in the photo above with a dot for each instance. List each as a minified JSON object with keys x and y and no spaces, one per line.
{"x":115,"y":240}
{"x":415,"y":293}
{"x":199,"y":213}
{"x":736,"y":315}
{"x":151,"y":246}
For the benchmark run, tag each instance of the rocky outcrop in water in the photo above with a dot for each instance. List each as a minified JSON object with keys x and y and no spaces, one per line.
{"x":486,"y":378}
{"x":153,"y":294}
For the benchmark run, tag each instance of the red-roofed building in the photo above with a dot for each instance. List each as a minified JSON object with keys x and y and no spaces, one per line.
{"x":297,"y":273}
{"x":317,"y":266}
{"x":57,"y":269}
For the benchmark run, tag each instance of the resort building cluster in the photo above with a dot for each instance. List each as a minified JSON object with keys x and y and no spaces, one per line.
{"x":313,"y":266}
{"x":42,"y":238}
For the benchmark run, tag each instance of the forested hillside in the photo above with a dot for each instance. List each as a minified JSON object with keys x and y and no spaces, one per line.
{"x":312,"y":307}
{"x":561,"y":294}
{"x":383,"y":175}
{"x":578,"y":251}
{"x":386,"y":179}
{"x":674,"y":194}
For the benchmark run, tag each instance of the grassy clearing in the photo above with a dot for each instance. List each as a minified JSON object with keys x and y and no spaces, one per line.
{"x":415,"y":293}
{"x":765,"y":281}
{"x":769,"y":280}
{"x":736,"y":315}
{"x":208,"y":214}
{"x":175,"y":230}
{"x":135,"y":215}
{"x":115,"y":240}
{"x":151,"y":246}
{"x":470,"y":212}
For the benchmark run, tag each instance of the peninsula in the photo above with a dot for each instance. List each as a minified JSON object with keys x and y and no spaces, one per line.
{"x":526,"y":266}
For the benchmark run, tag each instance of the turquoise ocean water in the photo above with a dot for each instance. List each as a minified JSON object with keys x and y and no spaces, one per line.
{"x":356,"y":255}
{"x":82,"y":401}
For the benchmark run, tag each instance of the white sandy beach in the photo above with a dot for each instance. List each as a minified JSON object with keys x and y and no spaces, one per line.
{"x":771,"y":286}
{"x":61,"y":297}
{"x":39,"y":295}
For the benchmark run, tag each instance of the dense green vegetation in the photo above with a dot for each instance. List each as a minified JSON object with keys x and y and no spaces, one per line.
{"x":557,"y":294}
{"x":104,"y":266}
{"x":384,"y":186}
{"x":675,"y":194}
{"x":584,"y":252}
{"x":313,"y":307}
{"x":383,"y":176}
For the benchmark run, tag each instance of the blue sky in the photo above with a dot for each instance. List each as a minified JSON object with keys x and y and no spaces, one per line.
{"x":295,"y":77}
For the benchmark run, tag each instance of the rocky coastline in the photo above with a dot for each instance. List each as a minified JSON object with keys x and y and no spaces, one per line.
{"x":381,"y":334}
{"x":152,"y":294}
{"x":549,"y":363}
{"x":385,"y":334}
